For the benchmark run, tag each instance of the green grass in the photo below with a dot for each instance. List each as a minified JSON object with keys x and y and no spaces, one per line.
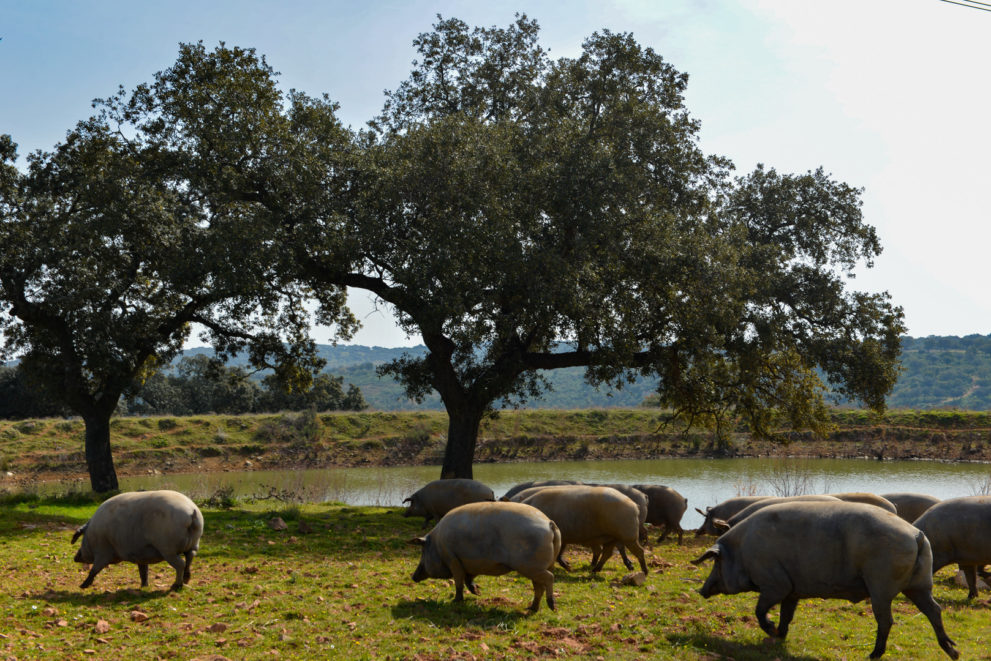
{"x":343,"y":590}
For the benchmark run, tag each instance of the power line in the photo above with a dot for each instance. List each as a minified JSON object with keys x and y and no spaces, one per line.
{"x":973,"y":4}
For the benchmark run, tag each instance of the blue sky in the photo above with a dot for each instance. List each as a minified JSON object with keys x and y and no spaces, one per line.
{"x":888,"y":95}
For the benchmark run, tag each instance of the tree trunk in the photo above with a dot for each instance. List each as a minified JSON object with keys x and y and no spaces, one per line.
{"x":462,"y":435}
{"x":99,"y":460}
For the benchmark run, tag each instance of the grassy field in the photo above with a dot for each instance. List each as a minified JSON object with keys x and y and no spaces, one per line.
{"x":336,"y":584}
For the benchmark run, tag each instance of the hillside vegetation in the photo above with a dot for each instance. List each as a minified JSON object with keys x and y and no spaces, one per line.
{"x":937,"y":372}
{"x":52,"y":448}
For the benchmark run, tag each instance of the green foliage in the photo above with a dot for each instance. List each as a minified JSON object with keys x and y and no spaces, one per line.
{"x":524,"y":214}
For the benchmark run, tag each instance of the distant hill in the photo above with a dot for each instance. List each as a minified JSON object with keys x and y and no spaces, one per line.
{"x":937,"y":372}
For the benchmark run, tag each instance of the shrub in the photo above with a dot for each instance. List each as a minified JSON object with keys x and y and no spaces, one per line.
{"x":166,"y":424}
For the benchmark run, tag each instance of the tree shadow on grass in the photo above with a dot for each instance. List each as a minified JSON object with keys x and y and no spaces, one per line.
{"x":731,"y":649}
{"x":475,"y":612}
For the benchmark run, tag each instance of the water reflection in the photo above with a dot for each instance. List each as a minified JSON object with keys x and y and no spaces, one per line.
{"x":703,"y":481}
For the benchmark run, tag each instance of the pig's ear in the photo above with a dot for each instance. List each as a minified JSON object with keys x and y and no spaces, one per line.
{"x":417,"y":541}
{"x":701,"y":512}
{"x":711,"y":552}
{"x":720,"y":525}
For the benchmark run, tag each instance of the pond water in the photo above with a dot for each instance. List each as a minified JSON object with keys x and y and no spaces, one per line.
{"x":703,"y":481}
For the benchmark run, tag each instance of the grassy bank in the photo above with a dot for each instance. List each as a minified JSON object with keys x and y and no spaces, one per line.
{"x":52,"y":448}
{"x":343,"y":590}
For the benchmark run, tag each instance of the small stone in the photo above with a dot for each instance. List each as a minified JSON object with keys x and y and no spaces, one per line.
{"x":101,"y":626}
{"x":138,"y":616}
{"x":633,"y":578}
{"x":277,"y":524}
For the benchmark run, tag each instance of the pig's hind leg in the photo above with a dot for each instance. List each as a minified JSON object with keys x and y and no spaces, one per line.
{"x":179,"y":565}
{"x":100,"y":561}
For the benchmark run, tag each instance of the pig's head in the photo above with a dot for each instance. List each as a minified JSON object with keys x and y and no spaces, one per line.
{"x":431,"y":565}
{"x":727,"y":576}
{"x":708,"y":526}
{"x":415,"y":506}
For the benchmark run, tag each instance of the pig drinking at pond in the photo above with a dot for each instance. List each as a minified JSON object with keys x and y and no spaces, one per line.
{"x":441,"y":496}
{"x":959,"y":530}
{"x":143,"y":527}
{"x":491,"y":539}
{"x":839,"y":550}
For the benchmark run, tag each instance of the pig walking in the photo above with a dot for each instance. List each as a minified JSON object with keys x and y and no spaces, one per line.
{"x":143,"y":527}
{"x":838,"y":550}
{"x":491,"y":539}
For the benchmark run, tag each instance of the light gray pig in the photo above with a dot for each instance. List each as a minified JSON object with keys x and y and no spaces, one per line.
{"x":959,"y":530}
{"x":751,"y":509}
{"x":840,"y":550}
{"x":867,"y":499}
{"x":143,"y":527}
{"x":910,"y":506}
{"x":439,"y":497}
{"x":597,"y":517}
{"x":724,"y":511}
{"x":665,"y":507}
{"x":509,"y":495}
{"x":491,"y":539}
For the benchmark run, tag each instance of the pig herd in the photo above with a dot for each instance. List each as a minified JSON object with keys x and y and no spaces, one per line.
{"x":850,"y":546}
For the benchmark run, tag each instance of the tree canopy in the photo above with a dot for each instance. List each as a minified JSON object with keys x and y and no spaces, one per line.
{"x":524,"y":213}
{"x":146,"y":220}
{"x":518,"y":212}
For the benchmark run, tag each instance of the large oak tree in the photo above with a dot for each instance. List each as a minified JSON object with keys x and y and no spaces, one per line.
{"x":523,"y":214}
{"x":148,"y":218}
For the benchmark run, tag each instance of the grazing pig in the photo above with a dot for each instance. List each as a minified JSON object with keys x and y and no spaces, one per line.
{"x":143,"y":527}
{"x":724,"y":511}
{"x":441,"y":496}
{"x":959,"y":530}
{"x":665,"y":507}
{"x":839,"y":550}
{"x":910,"y":506}
{"x":723,"y":526}
{"x":867,"y":499}
{"x":491,"y":539}
{"x":510,"y":495}
{"x":597,"y":517}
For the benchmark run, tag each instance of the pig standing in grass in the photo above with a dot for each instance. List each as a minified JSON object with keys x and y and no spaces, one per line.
{"x":665,"y":507}
{"x":532,"y":484}
{"x":910,"y":506}
{"x":597,"y":517}
{"x":839,"y":550}
{"x":749,"y":510}
{"x":867,"y":499}
{"x":143,"y":527}
{"x":491,"y":539}
{"x":441,"y":496}
{"x":959,"y":530}
{"x":724,"y":511}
